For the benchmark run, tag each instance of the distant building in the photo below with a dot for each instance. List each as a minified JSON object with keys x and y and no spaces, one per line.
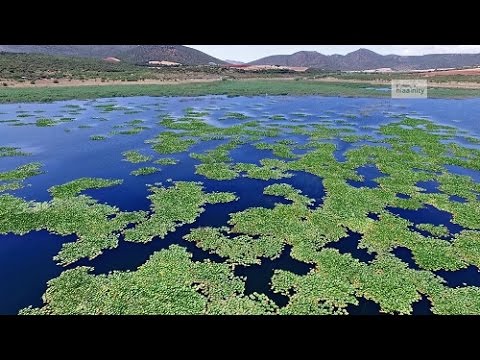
{"x":111,"y":59}
{"x":163,"y":63}
{"x":247,"y":67}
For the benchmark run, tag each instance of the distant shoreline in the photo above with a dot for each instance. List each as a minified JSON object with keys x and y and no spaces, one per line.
{"x":99,"y":82}
{"x":90,"y":89}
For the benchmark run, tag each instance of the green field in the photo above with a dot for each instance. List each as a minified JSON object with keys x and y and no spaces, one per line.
{"x":229,"y":87}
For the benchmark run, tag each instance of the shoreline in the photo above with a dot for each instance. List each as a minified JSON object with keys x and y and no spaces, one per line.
{"x":200,"y":87}
{"x":48,"y":83}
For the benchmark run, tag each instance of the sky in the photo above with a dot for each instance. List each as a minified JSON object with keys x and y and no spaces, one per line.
{"x":248,"y":53}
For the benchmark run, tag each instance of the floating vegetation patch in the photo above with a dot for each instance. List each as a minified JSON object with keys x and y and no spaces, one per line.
{"x":135,"y":157}
{"x":171,"y":207}
{"x":277,"y":117}
{"x":166,"y":161}
{"x":132,"y":131}
{"x":97,"y":137}
{"x":45,"y":122}
{"x":21,"y":172}
{"x":96,"y":225}
{"x":170,"y":143}
{"x":75,"y":187}
{"x":435,"y":230}
{"x":235,"y":115}
{"x":147,"y":170}
{"x":7,"y":151}
{"x":279,"y":149}
{"x":269,"y":169}
{"x":14,"y":185}
{"x":241,"y":249}
{"x":170,"y":283}
{"x":216,"y":171}
{"x":387,"y":223}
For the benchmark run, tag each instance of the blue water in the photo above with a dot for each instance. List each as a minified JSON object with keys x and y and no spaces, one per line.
{"x":349,"y":244}
{"x":370,"y":173}
{"x":429,"y":186}
{"x":258,"y":276}
{"x":428,"y":214}
{"x":457,"y":199}
{"x":469,"y":276}
{"x":66,"y":152}
{"x":459,"y":170}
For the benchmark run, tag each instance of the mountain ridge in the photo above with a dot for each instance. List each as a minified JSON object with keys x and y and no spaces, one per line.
{"x":364,"y":59}
{"x":129,"y":53}
{"x":361,"y":59}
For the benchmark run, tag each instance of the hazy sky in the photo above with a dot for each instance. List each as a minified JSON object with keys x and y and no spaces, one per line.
{"x":253,"y":52}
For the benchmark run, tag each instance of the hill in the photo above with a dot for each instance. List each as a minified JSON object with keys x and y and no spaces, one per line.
{"x":176,"y":53}
{"x":364,"y":59}
{"x":129,"y":53}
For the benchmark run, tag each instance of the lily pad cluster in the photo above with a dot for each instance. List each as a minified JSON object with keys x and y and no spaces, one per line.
{"x":405,"y":150}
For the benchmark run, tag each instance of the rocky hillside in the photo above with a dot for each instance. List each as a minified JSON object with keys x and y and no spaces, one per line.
{"x":130,"y":53}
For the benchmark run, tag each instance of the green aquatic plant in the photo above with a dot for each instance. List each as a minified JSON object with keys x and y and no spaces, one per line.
{"x":472,"y":140}
{"x":172,"y":207}
{"x":75,"y":187}
{"x":220,"y":197}
{"x":435,"y":230}
{"x":147,"y":170}
{"x":166,"y":161}
{"x":288,"y":192}
{"x":267,"y":171}
{"x":97,"y":226}
{"x":135,"y":157}
{"x":22,"y":172}
{"x":134,"y":122}
{"x":14,"y":185}
{"x":97,"y":137}
{"x":405,"y":151}
{"x":45,"y":122}
{"x":191,"y":112}
{"x":277,"y":117}
{"x":170,"y":283}
{"x":457,"y":301}
{"x":219,"y":154}
{"x":132,"y":131}
{"x":235,"y":115}
{"x":357,"y":138}
{"x":170,"y":143}
{"x":279,"y":149}
{"x":7,"y":151}
{"x":241,"y":249}
{"x":216,"y":171}
{"x":338,"y":280}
